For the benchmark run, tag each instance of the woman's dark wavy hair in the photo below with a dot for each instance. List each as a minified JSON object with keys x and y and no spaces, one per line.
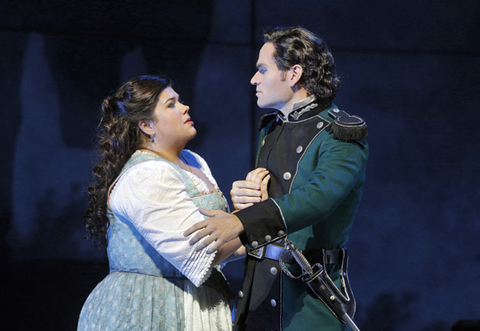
{"x":296,"y":45}
{"x":118,"y":136}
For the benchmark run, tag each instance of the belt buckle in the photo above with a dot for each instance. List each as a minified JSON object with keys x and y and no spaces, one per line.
{"x":257,"y":253}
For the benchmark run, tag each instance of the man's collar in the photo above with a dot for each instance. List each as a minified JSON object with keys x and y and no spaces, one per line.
{"x":304,"y":102}
{"x":301,"y":107}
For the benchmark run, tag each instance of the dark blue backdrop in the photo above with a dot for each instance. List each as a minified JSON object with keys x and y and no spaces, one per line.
{"x":410,"y":68}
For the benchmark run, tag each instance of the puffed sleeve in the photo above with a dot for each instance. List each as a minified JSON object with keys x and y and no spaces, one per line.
{"x":153,"y":196}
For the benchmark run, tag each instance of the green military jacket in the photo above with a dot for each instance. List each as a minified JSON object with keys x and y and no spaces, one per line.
{"x":315,"y":189}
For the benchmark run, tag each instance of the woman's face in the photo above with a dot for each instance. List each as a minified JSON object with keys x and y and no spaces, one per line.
{"x":172,"y":123}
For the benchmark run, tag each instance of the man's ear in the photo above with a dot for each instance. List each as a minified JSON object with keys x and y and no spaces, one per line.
{"x":296,"y":73}
{"x":146,"y":127}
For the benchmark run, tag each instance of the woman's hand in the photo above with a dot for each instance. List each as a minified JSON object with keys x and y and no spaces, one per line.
{"x":252,"y":190}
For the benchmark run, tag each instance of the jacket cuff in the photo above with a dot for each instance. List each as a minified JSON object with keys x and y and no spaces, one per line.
{"x":263,"y":224}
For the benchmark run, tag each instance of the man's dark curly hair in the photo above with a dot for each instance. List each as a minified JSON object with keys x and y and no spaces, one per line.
{"x":297,"y":45}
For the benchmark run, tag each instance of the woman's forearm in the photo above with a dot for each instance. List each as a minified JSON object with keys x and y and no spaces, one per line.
{"x":231,"y":251}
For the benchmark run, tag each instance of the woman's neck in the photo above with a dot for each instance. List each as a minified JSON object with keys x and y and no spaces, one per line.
{"x":181,"y":162}
{"x":170,"y":154}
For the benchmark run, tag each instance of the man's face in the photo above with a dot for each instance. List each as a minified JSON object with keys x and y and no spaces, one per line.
{"x":273,"y":88}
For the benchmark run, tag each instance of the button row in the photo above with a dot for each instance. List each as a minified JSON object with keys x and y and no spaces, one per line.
{"x":267,"y":238}
{"x":273,"y":302}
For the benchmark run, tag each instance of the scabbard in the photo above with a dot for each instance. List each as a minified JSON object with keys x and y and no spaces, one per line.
{"x":325,"y":290}
{"x":318,"y":280}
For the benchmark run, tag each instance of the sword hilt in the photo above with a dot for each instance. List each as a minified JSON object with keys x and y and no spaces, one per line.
{"x":298,"y":256}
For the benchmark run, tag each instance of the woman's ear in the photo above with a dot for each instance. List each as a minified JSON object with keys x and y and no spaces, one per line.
{"x":296,"y":73}
{"x":146,"y":127}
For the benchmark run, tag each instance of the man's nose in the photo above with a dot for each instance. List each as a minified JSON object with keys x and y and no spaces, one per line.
{"x":254,"y":80}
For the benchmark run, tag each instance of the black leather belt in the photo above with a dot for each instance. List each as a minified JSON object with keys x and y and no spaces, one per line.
{"x":274,"y":252}
{"x":328,"y":256}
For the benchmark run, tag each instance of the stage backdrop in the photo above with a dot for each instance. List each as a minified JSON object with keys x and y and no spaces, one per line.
{"x":409,"y":68}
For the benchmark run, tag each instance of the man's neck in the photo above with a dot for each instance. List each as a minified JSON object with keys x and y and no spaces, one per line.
{"x":299,"y":96}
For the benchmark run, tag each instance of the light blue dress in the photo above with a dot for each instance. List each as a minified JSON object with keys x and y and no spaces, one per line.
{"x":152,"y":203}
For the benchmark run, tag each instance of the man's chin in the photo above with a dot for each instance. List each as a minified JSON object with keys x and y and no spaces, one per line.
{"x":261,"y":104}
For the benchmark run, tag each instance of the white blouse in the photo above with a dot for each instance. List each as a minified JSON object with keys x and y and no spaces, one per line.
{"x":153,"y":196}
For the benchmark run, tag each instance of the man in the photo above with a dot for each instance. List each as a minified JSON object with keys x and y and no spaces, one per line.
{"x":313,"y":157}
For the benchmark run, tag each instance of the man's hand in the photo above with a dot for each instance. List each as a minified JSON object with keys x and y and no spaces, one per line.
{"x":252,"y":190}
{"x":220,"y":228}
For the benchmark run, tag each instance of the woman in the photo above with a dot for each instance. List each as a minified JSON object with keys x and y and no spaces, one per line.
{"x":146,"y":191}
